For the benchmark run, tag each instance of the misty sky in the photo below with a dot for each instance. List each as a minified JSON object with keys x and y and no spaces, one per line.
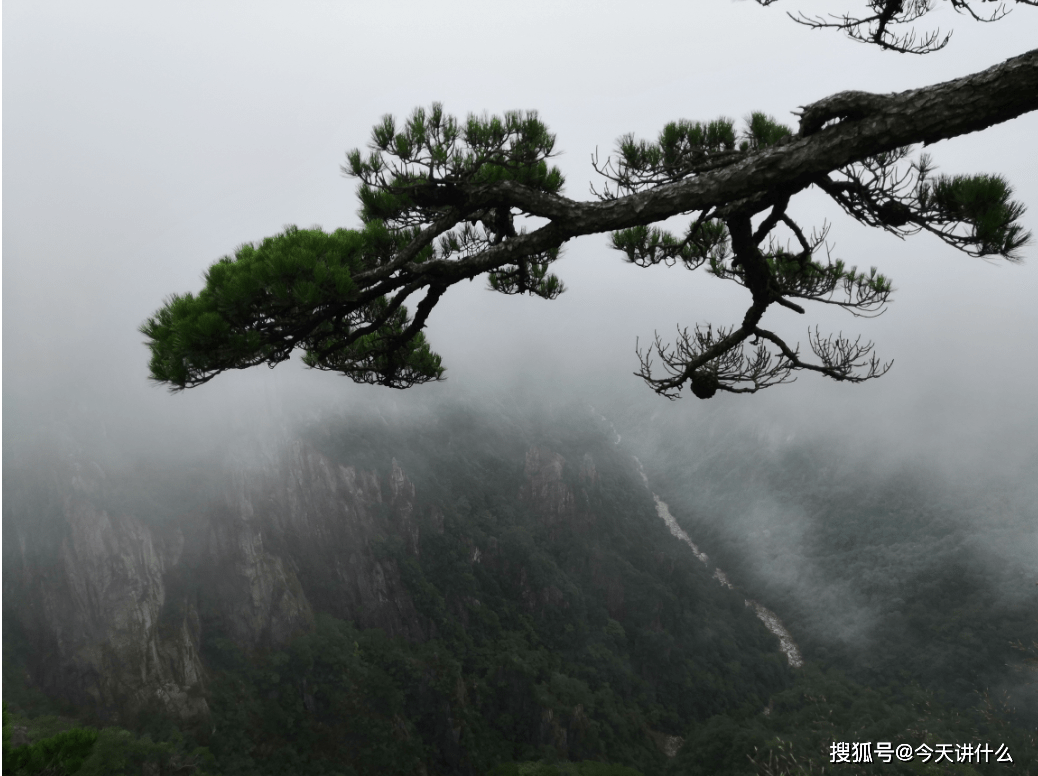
{"x":143,"y":141}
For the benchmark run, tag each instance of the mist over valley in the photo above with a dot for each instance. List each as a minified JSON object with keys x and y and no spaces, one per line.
{"x":536,"y":566}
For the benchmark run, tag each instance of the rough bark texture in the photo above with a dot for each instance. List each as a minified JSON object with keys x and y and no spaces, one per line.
{"x":363,"y":332}
{"x":865,"y":125}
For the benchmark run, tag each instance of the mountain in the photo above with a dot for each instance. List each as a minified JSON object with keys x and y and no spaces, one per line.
{"x":455,"y":589}
{"x":883,"y":565}
{"x":530,"y":553}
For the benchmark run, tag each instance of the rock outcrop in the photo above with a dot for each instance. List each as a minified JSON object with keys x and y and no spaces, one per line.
{"x":116,"y":607}
{"x":94,"y":603}
{"x":122,"y":606}
{"x":556,"y":491}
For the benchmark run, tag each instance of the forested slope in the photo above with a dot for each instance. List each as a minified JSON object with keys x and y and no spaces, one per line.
{"x":451,"y":591}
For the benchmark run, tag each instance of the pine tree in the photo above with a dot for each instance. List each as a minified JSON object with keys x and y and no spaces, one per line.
{"x":444,"y":200}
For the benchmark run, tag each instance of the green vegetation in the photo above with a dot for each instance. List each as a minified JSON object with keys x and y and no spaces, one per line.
{"x":444,"y":201}
{"x":893,"y":575}
{"x":824,"y":707}
{"x":569,"y":637}
{"x":59,"y":747}
{"x":228,"y":325}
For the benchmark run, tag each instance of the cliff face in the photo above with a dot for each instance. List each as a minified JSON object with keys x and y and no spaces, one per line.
{"x":296,"y":533}
{"x":116,"y":605}
{"x":92,"y":598}
{"x":115,"y":608}
{"x":523,"y":595}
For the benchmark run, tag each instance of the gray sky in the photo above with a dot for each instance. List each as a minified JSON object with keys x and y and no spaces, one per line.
{"x":143,"y":141}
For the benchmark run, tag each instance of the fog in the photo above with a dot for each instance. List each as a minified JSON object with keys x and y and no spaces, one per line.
{"x":145,"y":141}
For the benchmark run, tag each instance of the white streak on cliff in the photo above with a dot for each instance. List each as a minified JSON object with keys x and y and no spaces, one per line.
{"x":721,"y":577}
{"x":773,"y":624}
{"x":768,"y":617}
{"x":664,"y":512}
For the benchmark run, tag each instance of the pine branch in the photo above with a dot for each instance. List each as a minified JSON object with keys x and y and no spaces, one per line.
{"x":440,"y":202}
{"x":881,"y":24}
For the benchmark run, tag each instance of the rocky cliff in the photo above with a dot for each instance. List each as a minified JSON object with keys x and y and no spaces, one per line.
{"x":115,"y":605}
{"x":519,"y":591}
{"x":91,"y":597}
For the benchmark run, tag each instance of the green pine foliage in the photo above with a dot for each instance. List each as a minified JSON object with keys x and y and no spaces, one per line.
{"x":981,"y":202}
{"x":799,"y":276}
{"x":704,"y":241}
{"x":409,"y":176}
{"x":528,"y":277}
{"x":762,"y":131}
{"x":444,"y":201}
{"x":433,"y":147}
{"x":973,"y":213}
{"x":290,"y":291}
{"x":683,"y":147}
{"x":312,"y":290}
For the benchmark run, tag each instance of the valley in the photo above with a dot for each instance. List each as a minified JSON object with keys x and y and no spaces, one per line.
{"x":449,"y":590}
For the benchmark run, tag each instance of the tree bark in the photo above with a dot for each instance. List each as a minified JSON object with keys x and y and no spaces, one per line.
{"x":862,"y":125}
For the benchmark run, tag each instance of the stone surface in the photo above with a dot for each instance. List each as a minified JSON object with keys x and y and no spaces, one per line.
{"x":116,"y":607}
